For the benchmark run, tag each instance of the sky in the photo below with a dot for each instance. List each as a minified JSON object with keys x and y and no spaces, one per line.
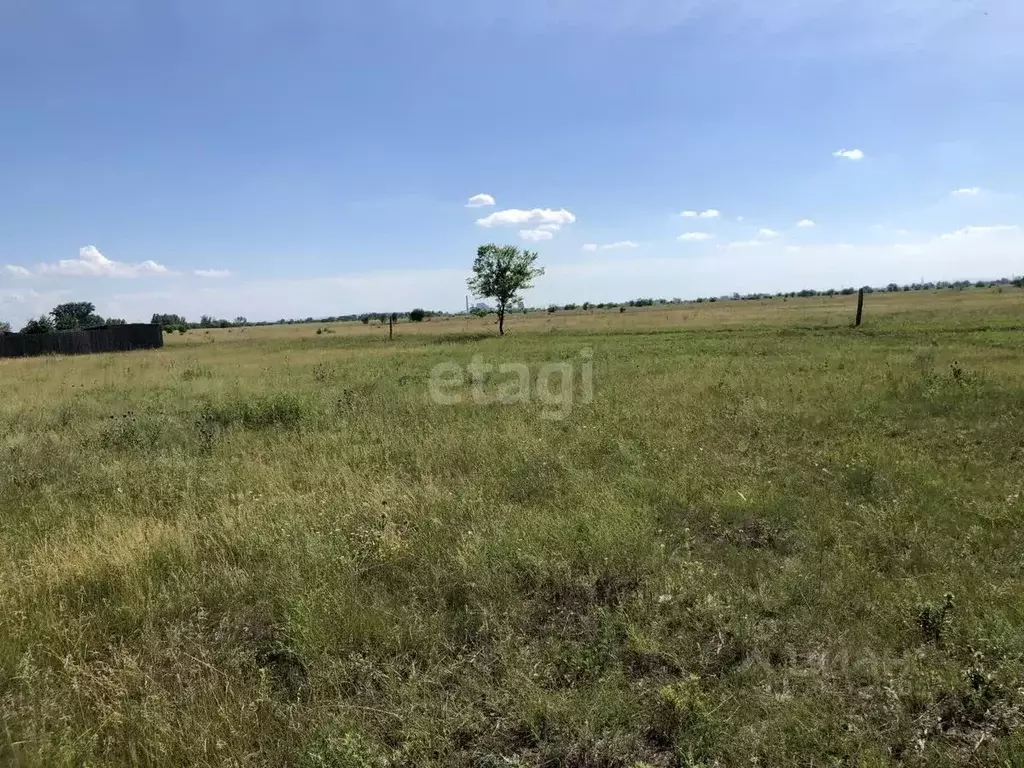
{"x":328,"y":157}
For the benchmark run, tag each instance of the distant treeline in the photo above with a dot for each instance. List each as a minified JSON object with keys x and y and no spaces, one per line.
{"x":82,"y":315}
{"x":179,"y":323}
{"x":72,"y":316}
{"x":942,"y":285}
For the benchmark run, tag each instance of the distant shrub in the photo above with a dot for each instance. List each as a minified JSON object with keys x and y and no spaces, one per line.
{"x":417,"y":315}
{"x":552,"y":309}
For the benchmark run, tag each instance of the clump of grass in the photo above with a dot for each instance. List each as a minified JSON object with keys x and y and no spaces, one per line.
{"x":278,"y":409}
{"x":195,"y":371}
{"x":932,"y":621}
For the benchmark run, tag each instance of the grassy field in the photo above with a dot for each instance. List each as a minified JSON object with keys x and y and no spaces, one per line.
{"x":770,"y":539}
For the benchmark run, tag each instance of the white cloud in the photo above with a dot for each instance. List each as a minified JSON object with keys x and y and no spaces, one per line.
{"x":480,"y":201}
{"x":536,"y":235}
{"x":805,"y":223}
{"x":768,"y":234}
{"x":545,"y":218}
{"x":711,"y":213}
{"x":966,"y":192}
{"x":966,"y":232}
{"x":849,"y":154}
{"x":92,"y":263}
{"x":621,"y":245}
{"x":16,"y":271}
{"x":692,"y":237}
{"x":212,"y":273}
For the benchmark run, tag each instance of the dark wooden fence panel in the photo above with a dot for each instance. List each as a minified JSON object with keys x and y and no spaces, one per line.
{"x":108,"y":338}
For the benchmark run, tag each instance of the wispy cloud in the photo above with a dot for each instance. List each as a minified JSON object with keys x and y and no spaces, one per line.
{"x":967,"y":232}
{"x":711,"y":213}
{"x":768,"y":234}
{"x":480,"y":201}
{"x":966,"y":192}
{"x":805,"y":224}
{"x":212,"y":273}
{"x":92,"y":263}
{"x":16,"y":271}
{"x":849,"y":154}
{"x":536,"y":235}
{"x":621,"y":245}
{"x":693,"y":237}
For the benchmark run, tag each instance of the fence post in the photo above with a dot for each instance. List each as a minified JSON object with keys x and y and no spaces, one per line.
{"x":860,"y":307}
{"x":391,"y":326}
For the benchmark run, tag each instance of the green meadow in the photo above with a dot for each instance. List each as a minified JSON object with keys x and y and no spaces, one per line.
{"x":768,"y":538}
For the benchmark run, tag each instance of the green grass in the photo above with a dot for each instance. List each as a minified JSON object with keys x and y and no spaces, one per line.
{"x":770,"y":539}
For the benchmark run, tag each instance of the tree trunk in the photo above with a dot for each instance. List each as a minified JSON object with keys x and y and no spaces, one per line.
{"x":501,"y":320}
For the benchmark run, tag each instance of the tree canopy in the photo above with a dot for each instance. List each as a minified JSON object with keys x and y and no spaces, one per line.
{"x":74,"y":315}
{"x":42,"y":324}
{"x":500,"y":272}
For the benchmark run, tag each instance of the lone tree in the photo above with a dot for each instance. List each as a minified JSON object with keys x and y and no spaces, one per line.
{"x":500,"y":272}
{"x":5,"y":327}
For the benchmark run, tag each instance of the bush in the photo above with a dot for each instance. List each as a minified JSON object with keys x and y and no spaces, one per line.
{"x":417,"y":315}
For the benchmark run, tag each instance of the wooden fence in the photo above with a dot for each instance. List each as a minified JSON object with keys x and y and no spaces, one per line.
{"x":107,"y":338}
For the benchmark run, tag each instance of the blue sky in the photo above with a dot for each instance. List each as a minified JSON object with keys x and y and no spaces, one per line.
{"x":317,"y":158}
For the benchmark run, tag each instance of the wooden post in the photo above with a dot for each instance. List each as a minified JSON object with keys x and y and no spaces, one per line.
{"x":391,"y":326}
{"x":860,"y":306}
